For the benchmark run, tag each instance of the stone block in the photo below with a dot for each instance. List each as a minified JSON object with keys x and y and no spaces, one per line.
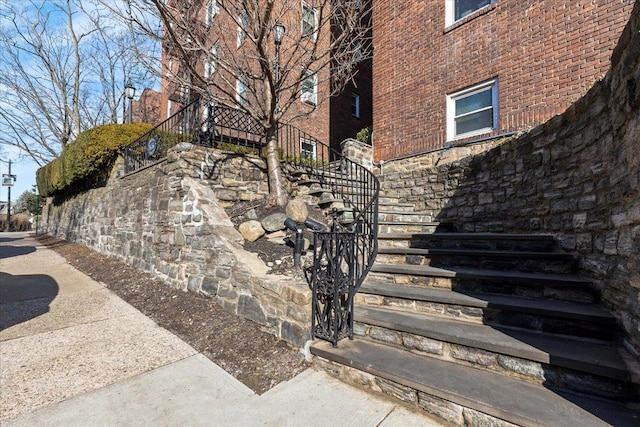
{"x":474,"y":355}
{"x":423,"y":344}
{"x":385,"y":335}
{"x":398,"y":391}
{"x":250,"y":308}
{"x":295,"y":334}
{"x":441,"y":408}
{"x":473,"y":418}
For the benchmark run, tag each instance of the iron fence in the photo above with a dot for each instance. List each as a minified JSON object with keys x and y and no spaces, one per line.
{"x":344,"y":250}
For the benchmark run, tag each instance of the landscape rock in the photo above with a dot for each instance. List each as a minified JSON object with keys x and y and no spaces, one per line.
{"x":251,"y":230}
{"x":274,"y":222}
{"x":297,"y":210}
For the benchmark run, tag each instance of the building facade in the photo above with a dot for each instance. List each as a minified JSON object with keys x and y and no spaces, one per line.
{"x":221,"y":39}
{"x":449,"y":72}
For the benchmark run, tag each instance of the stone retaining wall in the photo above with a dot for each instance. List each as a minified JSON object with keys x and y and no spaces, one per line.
{"x":167,"y":219}
{"x":577,"y":176}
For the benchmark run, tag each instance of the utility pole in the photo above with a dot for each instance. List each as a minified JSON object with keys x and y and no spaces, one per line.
{"x":7,"y":180}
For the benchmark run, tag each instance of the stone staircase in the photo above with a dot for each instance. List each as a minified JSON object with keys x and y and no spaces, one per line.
{"x":484,"y":329}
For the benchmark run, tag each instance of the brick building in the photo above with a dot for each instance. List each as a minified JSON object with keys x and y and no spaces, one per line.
{"x":455,"y":71}
{"x":217,"y":37}
{"x":146,"y":109}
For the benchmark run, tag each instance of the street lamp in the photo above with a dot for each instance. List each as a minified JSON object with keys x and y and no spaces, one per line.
{"x":278,"y":35}
{"x":130,"y":92}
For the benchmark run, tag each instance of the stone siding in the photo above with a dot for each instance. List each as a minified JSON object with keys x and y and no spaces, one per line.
{"x":167,"y":219}
{"x":577,"y":176}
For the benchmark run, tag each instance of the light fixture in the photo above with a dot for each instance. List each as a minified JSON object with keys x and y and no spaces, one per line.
{"x":278,"y":33}
{"x":129,"y":91}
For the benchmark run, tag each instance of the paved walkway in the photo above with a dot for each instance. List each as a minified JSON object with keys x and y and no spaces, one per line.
{"x":72,"y":353}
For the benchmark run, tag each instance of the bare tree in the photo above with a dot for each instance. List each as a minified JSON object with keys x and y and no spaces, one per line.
{"x":63,"y":70}
{"x":226,"y":52}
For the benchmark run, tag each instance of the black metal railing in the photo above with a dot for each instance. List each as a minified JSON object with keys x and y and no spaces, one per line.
{"x":151,"y":147}
{"x":344,"y":250}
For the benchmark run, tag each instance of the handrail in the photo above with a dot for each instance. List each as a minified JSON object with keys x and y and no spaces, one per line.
{"x":153,"y":145}
{"x":344,"y":253}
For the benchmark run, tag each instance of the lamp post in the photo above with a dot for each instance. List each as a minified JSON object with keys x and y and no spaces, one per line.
{"x":278,"y":35}
{"x":130,"y":92}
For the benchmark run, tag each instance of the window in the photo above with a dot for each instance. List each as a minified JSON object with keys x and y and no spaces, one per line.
{"x":307,"y":149}
{"x":210,"y":62}
{"x":170,"y":69}
{"x":241,"y":90}
{"x":309,"y":20}
{"x":458,"y":9}
{"x":169,"y":107}
{"x":355,"y":105}
{"x":212,"y":11}
{"x":243,"y":21}
{"x":473,"y":111}
{"x":309,"y":90}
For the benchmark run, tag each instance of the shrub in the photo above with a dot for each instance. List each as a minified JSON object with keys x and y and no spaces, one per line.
{"x":364,"y":135}
{"x":87,"y":161}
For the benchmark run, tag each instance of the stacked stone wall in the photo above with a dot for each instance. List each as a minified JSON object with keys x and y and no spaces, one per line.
{"x":168,"y":220}
{"x":577,"y":176}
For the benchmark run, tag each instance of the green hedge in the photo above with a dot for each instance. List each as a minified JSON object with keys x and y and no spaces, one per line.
{"x":88,"y":160}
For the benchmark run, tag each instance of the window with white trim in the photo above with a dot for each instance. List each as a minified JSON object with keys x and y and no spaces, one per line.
{"x":241,"y":90}
{"x":243,"y":25}
{"x":309,"y":90}
{"x":455,"y":10}
{"x":169,"y":107}
{"x":355,"y":105}
{"x":309,"y":20}
{"x":170,"y":69}
{"x":307,"y":148}
{"x":212,"y":11}
{"x":210,"y":62}
{"x":473,"y":111}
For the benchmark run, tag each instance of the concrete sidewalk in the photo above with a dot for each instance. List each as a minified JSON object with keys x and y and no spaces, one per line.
{"x":72,"y":353}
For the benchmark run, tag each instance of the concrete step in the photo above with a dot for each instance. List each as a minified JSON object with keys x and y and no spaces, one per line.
{"x":557,"y":317}
{"x":395,"y":207}
{"x":530,"y":261}
{"x":580,"y":365}
{"x":463,"y":395}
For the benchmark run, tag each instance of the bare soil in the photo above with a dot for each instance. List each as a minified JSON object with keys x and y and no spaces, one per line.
{"x":238,"y":345}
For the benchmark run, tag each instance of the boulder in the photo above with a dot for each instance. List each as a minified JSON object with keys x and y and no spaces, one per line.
{"x":297,"y":210}
{"x":251,"y":230}
{"x":274,"y":222}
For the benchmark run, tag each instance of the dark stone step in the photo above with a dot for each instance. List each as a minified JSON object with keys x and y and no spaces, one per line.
{"x":558,"y":317}
{"x":528,"y":261}
{"x":588,"y":356}
{"x":563,"y":256}
{"x":486,"y":241}
{"x":493,"y":275}
{"x":499,"y":396}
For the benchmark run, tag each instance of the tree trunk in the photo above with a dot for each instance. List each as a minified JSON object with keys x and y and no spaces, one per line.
{"x":277,"y":194}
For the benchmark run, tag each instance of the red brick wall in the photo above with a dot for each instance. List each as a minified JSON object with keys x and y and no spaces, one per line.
{"x":545,"y":54}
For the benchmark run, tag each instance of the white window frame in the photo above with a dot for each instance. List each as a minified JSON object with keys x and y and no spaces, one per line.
{"x":169,"y":107}
{"x":241,"y":91}
{"x":243,"y":23}
{"x":450,"y":11}
{"x":212,"y":10}
{"x":451,"y":108}
{"x":307,"y":7}
{"x":170,"y":68}
{"x":355,"y":105}
{"x":211,"y":62}
{"x":306,"y":154}
{"x":309,"y":97}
